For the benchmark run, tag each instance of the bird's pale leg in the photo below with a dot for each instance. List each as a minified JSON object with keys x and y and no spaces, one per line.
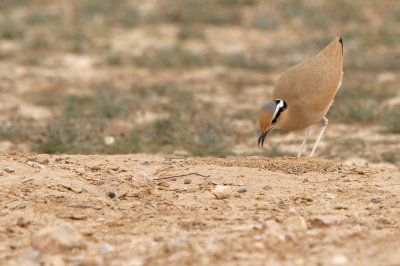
{"x":304,"y":142}
{"x":320,"y":136}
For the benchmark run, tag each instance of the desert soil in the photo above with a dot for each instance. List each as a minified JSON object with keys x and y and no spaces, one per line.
{"x":290,"y":211}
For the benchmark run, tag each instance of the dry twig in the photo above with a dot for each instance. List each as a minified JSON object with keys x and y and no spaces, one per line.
{"x":173,"y":176}
{"x":170,"y":158}
{"x":83,"y":206}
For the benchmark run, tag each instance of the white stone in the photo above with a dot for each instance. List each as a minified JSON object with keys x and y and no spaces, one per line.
{"x":327,"y":196}
{"x":221,"y":192}
{"x":57,"y":239}
{"x":339,"y":260}
{"x":9,"y":169}
{"x":107,"y":249}
{"x":80,"y":171}
{"x":36,"y":165}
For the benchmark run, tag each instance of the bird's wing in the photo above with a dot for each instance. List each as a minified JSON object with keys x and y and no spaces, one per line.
{"x":312,"y":83}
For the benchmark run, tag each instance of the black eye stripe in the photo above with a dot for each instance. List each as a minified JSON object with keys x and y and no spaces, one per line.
{"x":277,"y":116}
{"x":280,"y":110}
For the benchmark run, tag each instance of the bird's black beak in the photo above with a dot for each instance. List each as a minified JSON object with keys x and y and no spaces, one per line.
{"x":262,"y":137}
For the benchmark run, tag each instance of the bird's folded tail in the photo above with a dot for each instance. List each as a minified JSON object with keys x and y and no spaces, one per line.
{"x":334,"y":49}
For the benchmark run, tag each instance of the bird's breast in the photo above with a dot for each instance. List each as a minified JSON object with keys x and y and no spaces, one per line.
{"x":298,"y":117}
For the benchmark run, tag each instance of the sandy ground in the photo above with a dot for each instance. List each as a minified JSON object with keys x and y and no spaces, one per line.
{"x":292,"y":212}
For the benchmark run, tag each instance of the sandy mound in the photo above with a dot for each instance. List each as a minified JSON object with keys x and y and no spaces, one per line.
{"x":148,"y":210}
{"x":288,"y":165}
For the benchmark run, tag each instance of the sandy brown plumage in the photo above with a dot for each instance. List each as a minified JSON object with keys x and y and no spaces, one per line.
{"x":308,"y":88}
{"x":304,"y":93}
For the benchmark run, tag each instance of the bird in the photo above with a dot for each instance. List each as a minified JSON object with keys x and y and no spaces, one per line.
{"x":303,"y":95}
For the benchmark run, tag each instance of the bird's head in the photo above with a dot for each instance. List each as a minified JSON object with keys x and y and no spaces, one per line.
{"x":268,"y":118}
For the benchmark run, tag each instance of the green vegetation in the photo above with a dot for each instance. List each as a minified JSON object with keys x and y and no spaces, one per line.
{"x":178,"y":75}
{"x":356,"y":104}
{"x":391,"y":157}
{"x":11,"y":29}
{"x":356,"y":111}
{"x":83,"y":120}
{"x":11,"y":131}
{"x":190,"y":32}
{"x":391,"y":120}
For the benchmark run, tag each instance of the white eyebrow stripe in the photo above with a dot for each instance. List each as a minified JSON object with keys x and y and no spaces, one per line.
{"x":279,"y":106}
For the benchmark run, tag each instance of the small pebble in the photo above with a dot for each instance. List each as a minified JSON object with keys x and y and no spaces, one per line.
{"x":375,"y":200}
{"x":340,"y":260}
{"x":221,"y":192}
{"x":110,"y":194}
{"x":257,"y":237}
{"x":13,"y":247}
{"x":80,"y":171}
{"x":266,"y":187}
{"x":379,"y":227}
{"x":387,"y":177}
{"x":34,"y":164}
{"x":184,"y":238}
{"x":327,"y":196}
{"x":148,"y":203}
{"x":106,"y":249}
{"x":242,"y":190}
{"x":187,"y":181}
{"x":9,"y":170}
{"x":158,"y":239}
{"x":141,"y":176}
{"x":115,"y":184}
{"x":16,"y":205}
{"x":145,"y":163}
{"x":27,"y":180}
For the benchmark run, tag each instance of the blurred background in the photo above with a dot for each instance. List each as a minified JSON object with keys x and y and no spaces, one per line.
{"x":188,"y":77}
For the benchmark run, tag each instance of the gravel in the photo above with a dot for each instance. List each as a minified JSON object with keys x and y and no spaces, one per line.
{"x":9,"y":169}
{"x":266,"y":187}
{"x":375,"y":200}
{"x":110,"y":194}
{"x":242,"y":190}
{"x":107,"y":249}
{"x":327,"y":196}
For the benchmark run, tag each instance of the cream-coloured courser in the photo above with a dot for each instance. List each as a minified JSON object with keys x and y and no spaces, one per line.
{"x":304,"y":94}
